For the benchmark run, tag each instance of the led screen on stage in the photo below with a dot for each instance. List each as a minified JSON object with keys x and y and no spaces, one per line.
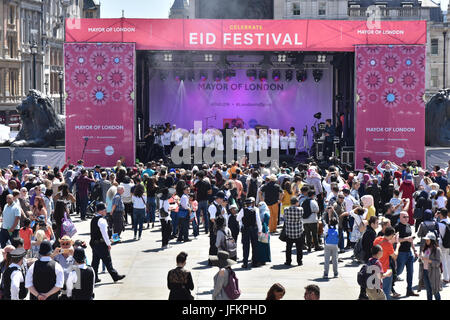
{"x":279,"y":105}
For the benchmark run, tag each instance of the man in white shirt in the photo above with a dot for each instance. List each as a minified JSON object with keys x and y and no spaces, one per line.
{"x":445,"y":256}
{"x":81,"y":280}
{"x":101,"y":244}
{"x":43,"y":287}
{"x":250,"y":224}
{"x":13,"y":277}
{"x":215,"y":209}
{"x":166,"y":140}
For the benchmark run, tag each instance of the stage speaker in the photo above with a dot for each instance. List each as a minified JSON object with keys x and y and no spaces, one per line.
{"x":348,"y":155}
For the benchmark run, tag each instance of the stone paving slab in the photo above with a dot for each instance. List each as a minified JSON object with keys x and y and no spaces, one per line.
{"x":146,"y":265}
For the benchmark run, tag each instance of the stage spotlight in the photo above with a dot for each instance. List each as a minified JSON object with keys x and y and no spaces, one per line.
{"x":168,"y":57}
{"x":321,"y":58}
{"x":208,"y":57}
{"x":228,"y":74}
{"x":281,"y":58}
{"x":163,"y":75}
{"x":251,"y":74}
{"x":217,"y":75}
{"x":203,"y":76}
{"x":191,"y":75}
{"x":276,"y":75}
{"x":179,"y":76}
{"x":289,"y":75}
{"x":263,"y":75}
{"x":302,"y":75}
{"x":317,"y":74}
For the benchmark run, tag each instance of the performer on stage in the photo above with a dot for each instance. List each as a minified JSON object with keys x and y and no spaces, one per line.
{"x":284,"y":141}
{"x":329,"y":137}
{"x":264,"y":141}
{"x":292,"y":142}
{"x":199,"y":140}
{"x":166,"y":141}
{"x":240,"y":142}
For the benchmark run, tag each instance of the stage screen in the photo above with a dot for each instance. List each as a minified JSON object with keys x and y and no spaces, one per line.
{"x":100,"y":102}
{"x":390,"y":113}
{"x":278,"y":105}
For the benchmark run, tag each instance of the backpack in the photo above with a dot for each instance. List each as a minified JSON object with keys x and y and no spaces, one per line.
{"x":446,"y":237}
{"x":230,"y":245}
{"x":232,"y":288}
{"x":252,"y":188}
{"x":332,"y":236}
{"x":306,"y":205}
{"x":362,"y":276}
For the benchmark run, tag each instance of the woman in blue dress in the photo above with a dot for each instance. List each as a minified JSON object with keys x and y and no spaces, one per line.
{"x":263,"y":247}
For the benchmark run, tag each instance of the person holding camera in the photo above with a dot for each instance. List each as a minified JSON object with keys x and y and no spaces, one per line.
{"x":64,"y":256}
{"x":405,"y":255}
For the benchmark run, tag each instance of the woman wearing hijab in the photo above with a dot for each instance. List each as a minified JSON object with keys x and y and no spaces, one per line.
{"x":263,"y":247}
{"x":423,"y":203}
{"x":385,"y":190}
{"x":407,"y":189}
{"x":364,"y":184}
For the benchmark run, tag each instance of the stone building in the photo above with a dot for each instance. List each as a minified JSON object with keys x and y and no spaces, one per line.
{"x":31,"y":51}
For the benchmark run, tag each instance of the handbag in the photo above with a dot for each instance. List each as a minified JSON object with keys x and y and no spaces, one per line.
{"x":263,"y":237}
{"x":68,"y":227}
{"x":283,"y":236}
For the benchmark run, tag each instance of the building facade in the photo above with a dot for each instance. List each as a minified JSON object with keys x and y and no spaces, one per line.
{"x":31,"y":54}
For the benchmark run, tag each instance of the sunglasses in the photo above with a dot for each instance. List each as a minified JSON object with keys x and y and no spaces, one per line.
{"x":66,"y":243}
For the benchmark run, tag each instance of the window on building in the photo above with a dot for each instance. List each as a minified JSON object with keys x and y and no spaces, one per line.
{"x":434,"y":46}
{"x":11,"y":47}
{"x":13,"y":83}
{"x":12,"y":15}
{"x":296,"y":9}
{"x":322,"y":8}
{"x":434,"y":77}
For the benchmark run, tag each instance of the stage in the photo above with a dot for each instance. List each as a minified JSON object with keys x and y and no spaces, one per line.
{"x":125,"y":75}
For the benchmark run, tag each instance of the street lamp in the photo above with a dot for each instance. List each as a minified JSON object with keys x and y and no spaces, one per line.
{"x":33,"y":48}
{"x":61,"y":79}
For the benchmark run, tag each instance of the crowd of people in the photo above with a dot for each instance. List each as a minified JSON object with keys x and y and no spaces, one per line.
{"x":372,"y":212}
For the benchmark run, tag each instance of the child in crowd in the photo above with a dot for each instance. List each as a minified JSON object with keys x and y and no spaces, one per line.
{"x":331,"y":236}
{"x":375,"y":289}
{"x":193,"y":217}
{"x":26,"y":233}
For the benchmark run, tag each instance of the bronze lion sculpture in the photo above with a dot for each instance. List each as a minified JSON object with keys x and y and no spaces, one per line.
{"x":41,"y":126}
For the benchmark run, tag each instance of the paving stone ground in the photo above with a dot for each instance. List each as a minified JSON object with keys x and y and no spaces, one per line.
{"x":146,"y":265}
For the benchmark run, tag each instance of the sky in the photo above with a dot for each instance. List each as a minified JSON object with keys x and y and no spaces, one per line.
{"x":153,"y":9}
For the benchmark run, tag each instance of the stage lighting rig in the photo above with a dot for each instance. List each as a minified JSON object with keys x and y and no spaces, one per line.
{"x":321,"y":58}
{"x":281,"y":57}
{"x":228,"y":74}
{"x":317,"y":74}
{"x":180,"y":76}
{"x":203,"y":76}
{"x":163,"y":74}
{"x":191,"y":75}
{"x":208,"y":57}
{"x":168,"y":57}
{"x":217,"y":75}
{"x":251,"y":74}
{"x":263,"y":75}
{"x":302,"y":75}
{"x":289,"y":75}
{"x":276,"y":75}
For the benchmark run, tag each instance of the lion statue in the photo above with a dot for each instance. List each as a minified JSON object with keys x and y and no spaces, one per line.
{"x":437,"y":120}
{"x":41,"y":126}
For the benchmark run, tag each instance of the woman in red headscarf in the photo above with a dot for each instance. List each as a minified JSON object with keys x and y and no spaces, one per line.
{"x":407,"y":189}
{"x":397,"y":180}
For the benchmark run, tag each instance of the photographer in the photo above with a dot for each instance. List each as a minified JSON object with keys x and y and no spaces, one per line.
{"x":64,"y":256}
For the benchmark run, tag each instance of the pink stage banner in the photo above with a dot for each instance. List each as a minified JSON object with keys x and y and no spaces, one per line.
{"x":100,"y":102}
{"x":390,"y":114}
{"x":245,"y":35}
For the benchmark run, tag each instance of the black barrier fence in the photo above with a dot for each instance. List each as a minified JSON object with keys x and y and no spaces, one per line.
{"x":35,"y":156}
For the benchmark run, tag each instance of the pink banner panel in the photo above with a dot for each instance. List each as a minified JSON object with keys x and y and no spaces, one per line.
{"x":100,"y":102}
{"x":390,"y":110}
{"x":245,"y":35}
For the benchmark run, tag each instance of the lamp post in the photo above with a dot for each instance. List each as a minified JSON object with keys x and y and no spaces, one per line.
{"x":61,"y":79}
{"x":33,"y":48}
